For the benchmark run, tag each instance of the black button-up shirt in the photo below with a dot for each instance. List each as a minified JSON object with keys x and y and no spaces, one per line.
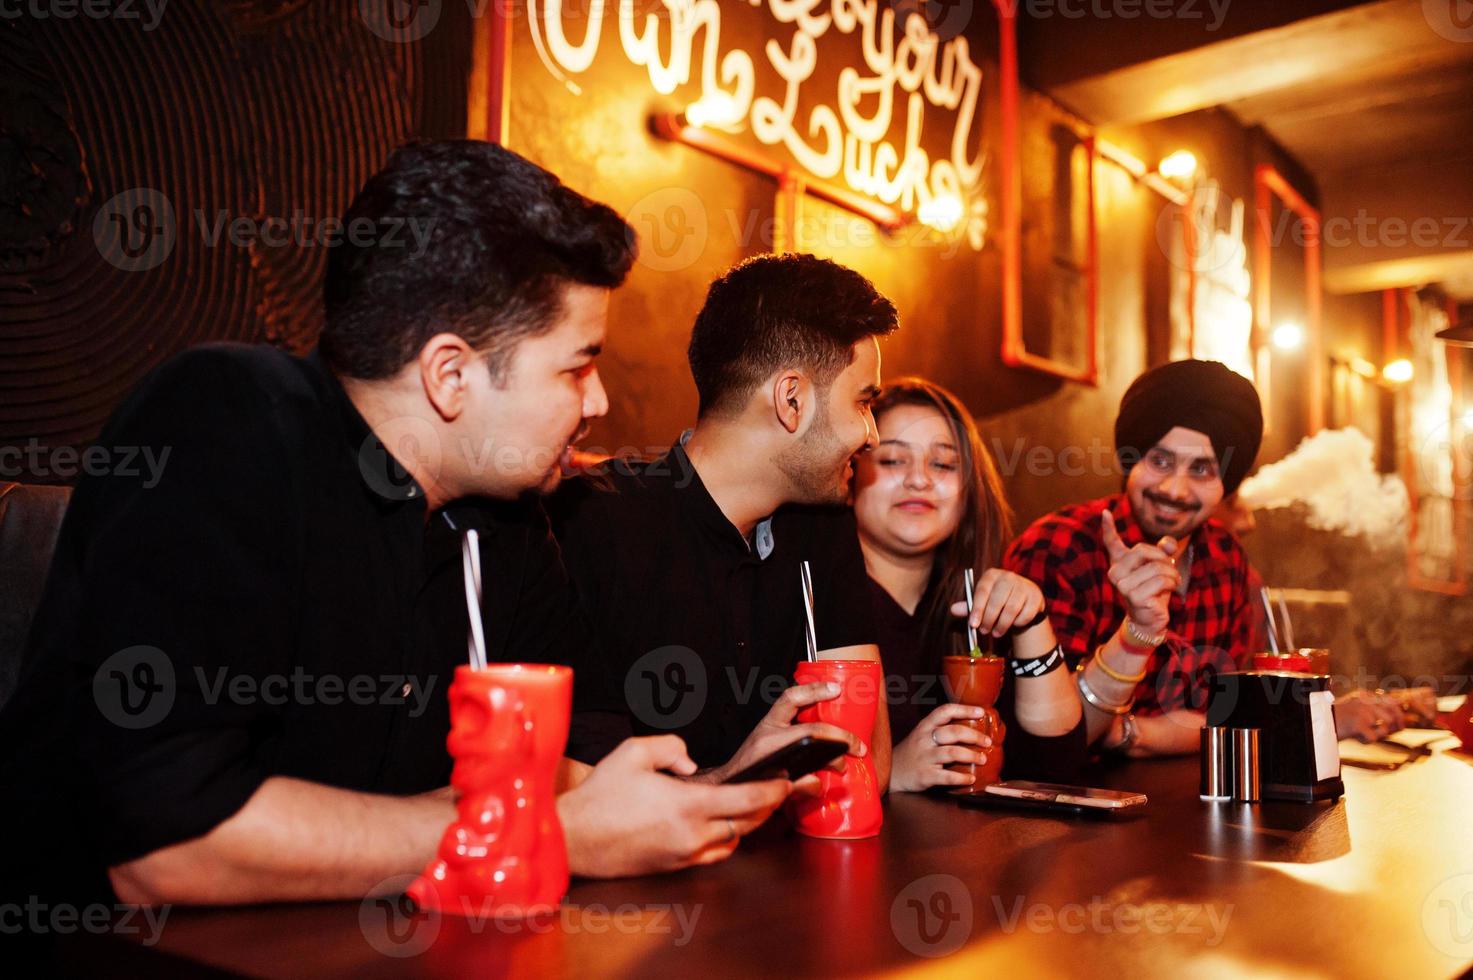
{"x":697,"y":631}
{"x":273,"y":602}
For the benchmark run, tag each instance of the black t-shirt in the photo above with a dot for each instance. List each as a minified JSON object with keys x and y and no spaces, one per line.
{"x":915,"y":688}
{"x":272,"y":603}
{"x":697,"y":631}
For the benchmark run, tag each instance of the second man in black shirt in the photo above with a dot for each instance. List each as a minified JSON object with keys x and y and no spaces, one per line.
{"x":689,"y":565}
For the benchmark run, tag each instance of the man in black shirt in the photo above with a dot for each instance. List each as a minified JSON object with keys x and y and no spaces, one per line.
{"x":689,"y":565}
{"x":236,"y":690}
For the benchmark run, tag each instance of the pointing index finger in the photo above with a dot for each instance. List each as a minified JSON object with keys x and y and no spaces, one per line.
{"x":1113,"y":544}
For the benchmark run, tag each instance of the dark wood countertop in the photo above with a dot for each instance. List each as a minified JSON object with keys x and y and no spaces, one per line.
{"x":1379,"y":884}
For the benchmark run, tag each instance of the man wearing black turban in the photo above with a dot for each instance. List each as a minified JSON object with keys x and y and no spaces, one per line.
{"x":1219,"y":407}
{"x":1148,"y":593}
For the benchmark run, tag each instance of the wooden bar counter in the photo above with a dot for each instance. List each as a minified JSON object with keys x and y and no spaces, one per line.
{"x":1379,"y":884}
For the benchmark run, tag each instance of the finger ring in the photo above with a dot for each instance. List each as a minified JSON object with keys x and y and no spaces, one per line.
{"x":933,"y":737}
{"x":731,"y":830}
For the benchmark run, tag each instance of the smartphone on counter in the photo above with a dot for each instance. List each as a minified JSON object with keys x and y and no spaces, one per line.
{"x":1056,"y":797}
{"x":1100,"y":799}
{"x":793,"y":761}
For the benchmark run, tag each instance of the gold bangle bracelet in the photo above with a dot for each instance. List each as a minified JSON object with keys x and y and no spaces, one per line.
{"x":1115,"y":675}
{"x":1094,"y":699}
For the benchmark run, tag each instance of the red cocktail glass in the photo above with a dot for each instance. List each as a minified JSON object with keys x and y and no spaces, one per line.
{"x":848,"y":805}
{"x":978,"y":681}
{"x":504,"y":853}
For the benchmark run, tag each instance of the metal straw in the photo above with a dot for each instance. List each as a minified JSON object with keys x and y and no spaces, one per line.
{"x":805,"y":575}
{"x":1273,"y":629}
{"x":470,"y":558}
{"x":971,"y":586}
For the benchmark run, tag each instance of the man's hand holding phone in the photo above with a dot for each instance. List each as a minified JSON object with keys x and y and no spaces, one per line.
{"x":630,"y":816}
{"x":777,"y":730}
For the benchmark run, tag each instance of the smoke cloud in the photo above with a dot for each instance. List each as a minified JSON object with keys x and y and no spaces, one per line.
{"x":1333,"y":473}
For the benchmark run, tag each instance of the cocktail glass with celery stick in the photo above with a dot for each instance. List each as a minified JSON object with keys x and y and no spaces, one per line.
{"x":976,"y":680}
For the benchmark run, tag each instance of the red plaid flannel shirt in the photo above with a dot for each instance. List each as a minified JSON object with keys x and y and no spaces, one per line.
{"x":1211,"y":627}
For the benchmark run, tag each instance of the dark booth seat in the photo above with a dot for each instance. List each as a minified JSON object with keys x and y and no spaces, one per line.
{"x":30,"y":518}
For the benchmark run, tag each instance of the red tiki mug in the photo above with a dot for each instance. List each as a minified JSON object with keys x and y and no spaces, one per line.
{"x":504,"y":854}
{"x":848,"y":804}
{"x":978,"y":681}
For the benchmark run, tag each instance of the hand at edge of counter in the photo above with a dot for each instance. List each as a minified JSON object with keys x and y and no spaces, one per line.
{"x":1367,"y":716}
{"x":1175,"y":732}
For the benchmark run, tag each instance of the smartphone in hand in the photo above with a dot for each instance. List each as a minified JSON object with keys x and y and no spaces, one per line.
{"x":793,"y":761}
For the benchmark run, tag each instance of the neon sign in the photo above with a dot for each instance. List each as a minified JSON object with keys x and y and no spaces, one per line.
{"x":836,"y":138}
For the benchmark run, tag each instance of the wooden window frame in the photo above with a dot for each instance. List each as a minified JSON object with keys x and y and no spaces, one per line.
{"x":1268,"y":185}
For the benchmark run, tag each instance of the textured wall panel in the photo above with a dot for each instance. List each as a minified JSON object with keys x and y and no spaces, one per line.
{"x":125,"y":144}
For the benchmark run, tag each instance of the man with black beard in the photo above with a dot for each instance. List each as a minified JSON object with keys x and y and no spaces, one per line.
{"x":1148,"y":589}
{"x":689,"y":565}
{"x":1148,"y":593}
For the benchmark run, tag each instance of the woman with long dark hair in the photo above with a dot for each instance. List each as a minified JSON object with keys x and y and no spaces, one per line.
{"x":930,"y":505}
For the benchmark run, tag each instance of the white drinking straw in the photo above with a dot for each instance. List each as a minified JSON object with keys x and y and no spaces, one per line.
{"x":1288,"y":623}
{"x":1273,"y":629}
{"x":470,"y":557}
{"x":805,"y":575}
{"x":971,"y":586}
